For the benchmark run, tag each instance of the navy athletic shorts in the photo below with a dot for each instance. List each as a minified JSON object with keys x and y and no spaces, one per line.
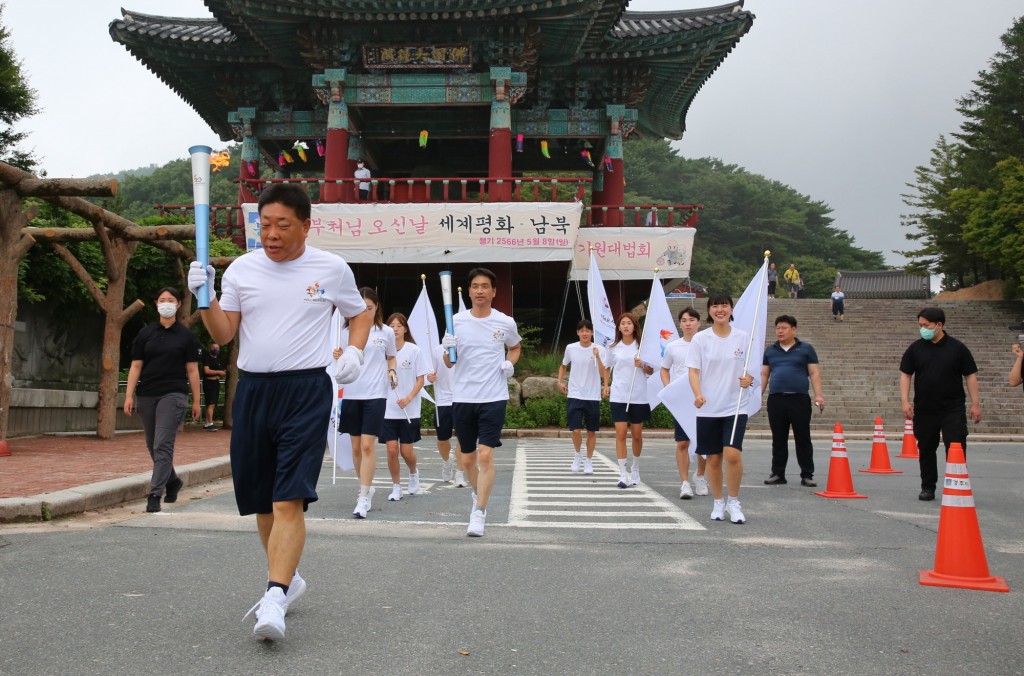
{"x":362,"y":416}
{"x":401,"y":430}
{"x":478,"y":424}
{"x":278,"y":437}
{"x":443,"y":423}
{"x":637,"y":414}
{"x":680,"y":433}
{"x":578,"y":410}
{"x":713,"y":434}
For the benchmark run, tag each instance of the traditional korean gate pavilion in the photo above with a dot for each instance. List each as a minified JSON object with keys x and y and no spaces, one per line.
{"x":445,"y":100}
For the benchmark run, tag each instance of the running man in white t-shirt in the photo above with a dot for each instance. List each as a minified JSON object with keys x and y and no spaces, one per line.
{"x":279,"y":300}
{"x":716,"y":362}
{"x":487,"y":347}
{"x":588,"y":382}
{"x":673,"y":367}
{"x":401,"y":427}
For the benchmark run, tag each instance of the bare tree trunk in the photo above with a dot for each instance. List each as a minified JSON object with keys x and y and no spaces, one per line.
{"x":13,"y":247}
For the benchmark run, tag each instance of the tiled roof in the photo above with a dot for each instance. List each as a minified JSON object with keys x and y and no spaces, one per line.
{"x":189,"y":30}
{"x":644,"y":24}
{"x":883,"y":284}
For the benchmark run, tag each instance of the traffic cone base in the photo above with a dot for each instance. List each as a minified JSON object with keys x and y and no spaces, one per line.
{"x":930,"y":578}
{"x":840,"y":481}
{"x":880,"y":453}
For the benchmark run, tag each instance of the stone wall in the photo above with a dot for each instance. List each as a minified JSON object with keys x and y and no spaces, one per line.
{"x":37,"y":411}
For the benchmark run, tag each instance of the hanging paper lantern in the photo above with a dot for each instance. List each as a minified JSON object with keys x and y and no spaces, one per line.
{"x":300,"y":147}
{"x":280,"y":159}
{"x":608,"y":164}
{"x":320,"y":150}
{"x":585,"y":154}
{"x":423,"y":138}
{"x":287,"y":156}
{"x":519,"y":143}
{"x":544,"y":149}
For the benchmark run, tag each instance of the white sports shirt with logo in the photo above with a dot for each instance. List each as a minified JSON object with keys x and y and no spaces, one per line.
{"x":477,"y":376}
{"x":372,"y":382}
{"x":411,"y":365}
{"x":286,"y":308}
{"x":620,"y":361}
{"x":720,"y":361}
{"x":584,"y":376}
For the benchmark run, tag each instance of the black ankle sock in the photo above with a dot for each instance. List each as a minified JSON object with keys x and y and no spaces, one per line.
{"x":283,"y":587}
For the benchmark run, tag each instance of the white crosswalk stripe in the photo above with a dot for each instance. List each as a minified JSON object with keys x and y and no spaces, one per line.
{"x":546,"y":495}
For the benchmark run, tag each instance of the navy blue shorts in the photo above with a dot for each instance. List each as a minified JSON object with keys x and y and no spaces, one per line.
{"x":443,"y":423}
{"x":578,"y":410}
{"x":637,"y":414}
{"x":713,"y":434}
{"x":478,"y":424}
{"x":362,"y":416}
{"x":401,"y":430}
{"x":279,"y":437}
{"x":680,"y":433}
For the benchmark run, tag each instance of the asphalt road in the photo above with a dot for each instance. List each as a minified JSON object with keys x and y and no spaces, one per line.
{"x":572,"y":577}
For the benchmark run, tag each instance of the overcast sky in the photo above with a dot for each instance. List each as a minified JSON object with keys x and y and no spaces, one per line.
{"x":839,"y":100}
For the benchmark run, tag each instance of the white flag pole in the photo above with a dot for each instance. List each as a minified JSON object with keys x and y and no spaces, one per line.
{"x":639,"y":344}
{"x":762,"y":288}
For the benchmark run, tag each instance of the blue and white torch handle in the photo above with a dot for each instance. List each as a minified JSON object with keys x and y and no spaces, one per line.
{"x":446,"y":295}
{"x":201,"y":197}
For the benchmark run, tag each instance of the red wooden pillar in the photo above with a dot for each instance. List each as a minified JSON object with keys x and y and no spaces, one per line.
{"x":614,"y":179}
{"x":503,"y":295}
{"x":248,"y":169}
{"x":499,"y":155}
{"x":336,"y":164}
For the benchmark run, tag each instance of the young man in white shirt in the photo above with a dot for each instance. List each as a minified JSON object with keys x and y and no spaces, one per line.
{"x":588,"y":382}
{"x":279,"y":300}
{"x":480,"y":385}
{"x":673,"y":367}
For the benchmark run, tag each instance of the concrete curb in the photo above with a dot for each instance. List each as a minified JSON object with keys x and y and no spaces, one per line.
{"x":46,"y":506}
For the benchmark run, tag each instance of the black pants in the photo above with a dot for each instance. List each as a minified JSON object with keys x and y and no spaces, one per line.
{"x":785,"y":411}
{"x":927,"y":426}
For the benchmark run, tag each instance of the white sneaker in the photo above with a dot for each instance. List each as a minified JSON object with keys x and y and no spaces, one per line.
{"x":623,"y":479}
{"x":362,"y":507}
{"x":476,"y":523}
{"x":634,"y":477}
{"x":296,"y":589}
{"x":588,"y":466}
{"x":735,"y":512}
{"x":684,"y":491}
{"x":575,"y":463}
{"x":460,"y":479}
{"x":269,"y":615}
{"x":396,"y":493}
{"x":414,"y":483}
{"x":446,"y":469}
{"x":718,"y":511}
{"x":700,"y":485}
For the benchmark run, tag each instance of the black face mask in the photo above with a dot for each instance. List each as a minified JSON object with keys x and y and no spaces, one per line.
{"x":214,"y":352}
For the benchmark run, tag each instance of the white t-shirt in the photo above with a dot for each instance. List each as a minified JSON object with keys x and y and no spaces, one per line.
{"x":584,"y":375}
{"x":620,"y":360}
{"x":411,"y":365}
{"x":372,"y":382}
{"x":477,"y":376}
{"x":443,"y":384}
{"x":675,"y":359}
{"x":286,"y":308}
{"x":363,"y":173}
{"x":720,"y":361}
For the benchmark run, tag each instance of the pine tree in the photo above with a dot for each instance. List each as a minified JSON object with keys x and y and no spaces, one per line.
{"x":17,"y":101}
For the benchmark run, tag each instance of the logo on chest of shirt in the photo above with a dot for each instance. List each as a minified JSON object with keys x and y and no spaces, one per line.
{"x":498,"y":336}
{"x":405,"y":364}
{"x":315,"y":293}
{"x":738,"y":353}
{"x":378,"y":342}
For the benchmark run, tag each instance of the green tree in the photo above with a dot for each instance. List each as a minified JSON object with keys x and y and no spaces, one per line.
{"x":17,"y":101}
{"x":995,"y":219}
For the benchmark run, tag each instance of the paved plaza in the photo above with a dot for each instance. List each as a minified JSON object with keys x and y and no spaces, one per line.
{"x":574,"y":576}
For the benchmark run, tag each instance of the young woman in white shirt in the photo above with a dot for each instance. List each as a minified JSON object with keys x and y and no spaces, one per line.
{"x":715,"y":360}
{"x":362,"y":409}
{"x":628,"y":398}
{"x":401,"y":427}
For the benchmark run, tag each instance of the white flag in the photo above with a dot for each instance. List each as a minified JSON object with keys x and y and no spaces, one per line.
{"x":659,"y":331}
{"x":423,"y":328}
{"x":678,"y":399}
{"x":751,"y":315}
{"x":600,"y":310}
{"x":339,"y":445}
{"x":462,"y":303}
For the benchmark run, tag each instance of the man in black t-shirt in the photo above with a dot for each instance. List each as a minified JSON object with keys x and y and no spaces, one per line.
{"x":937,"y":363}
{"x":213,"y":371}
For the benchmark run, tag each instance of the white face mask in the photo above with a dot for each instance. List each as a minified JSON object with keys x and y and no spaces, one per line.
{"x":167,"y":310}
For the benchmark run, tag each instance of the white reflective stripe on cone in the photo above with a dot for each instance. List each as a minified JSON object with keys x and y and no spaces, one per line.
{"x":958,"y":501}
{"x":839,"y":454}
{"x":958,"y":468}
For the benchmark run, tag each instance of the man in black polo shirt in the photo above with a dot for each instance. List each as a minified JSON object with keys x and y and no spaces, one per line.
{"x":788,"y":365}
{"x":937,"y":362}
{"x":213,"y":371}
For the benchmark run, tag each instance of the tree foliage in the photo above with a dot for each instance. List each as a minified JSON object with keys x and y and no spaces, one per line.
{"x":744,"y":214}
{"x":17,"y":101}
{"x":966,"y":219}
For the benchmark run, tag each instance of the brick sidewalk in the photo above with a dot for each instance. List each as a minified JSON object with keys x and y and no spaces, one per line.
{"x":51,"y":463}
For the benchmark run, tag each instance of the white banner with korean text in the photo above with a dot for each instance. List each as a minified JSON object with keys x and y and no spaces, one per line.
{"x":496,"y":232}
{"x":633,"y":253}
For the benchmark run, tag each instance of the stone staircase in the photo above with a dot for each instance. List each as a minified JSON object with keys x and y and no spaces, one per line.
{"x":860,"y":359}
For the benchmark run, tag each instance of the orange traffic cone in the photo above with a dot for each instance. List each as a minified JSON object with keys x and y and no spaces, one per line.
{"x":880,"y":453}
{"x":840,"y":481}
{"x":909,"y":449}
{"x":960,"y":553}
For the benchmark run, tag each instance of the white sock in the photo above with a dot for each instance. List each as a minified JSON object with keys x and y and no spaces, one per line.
{"x":364,"y":491}
{"x":636,"y":463}
{"x":579,"y":454}
{"x":622,"y":465}
{"x":734,"y":498}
